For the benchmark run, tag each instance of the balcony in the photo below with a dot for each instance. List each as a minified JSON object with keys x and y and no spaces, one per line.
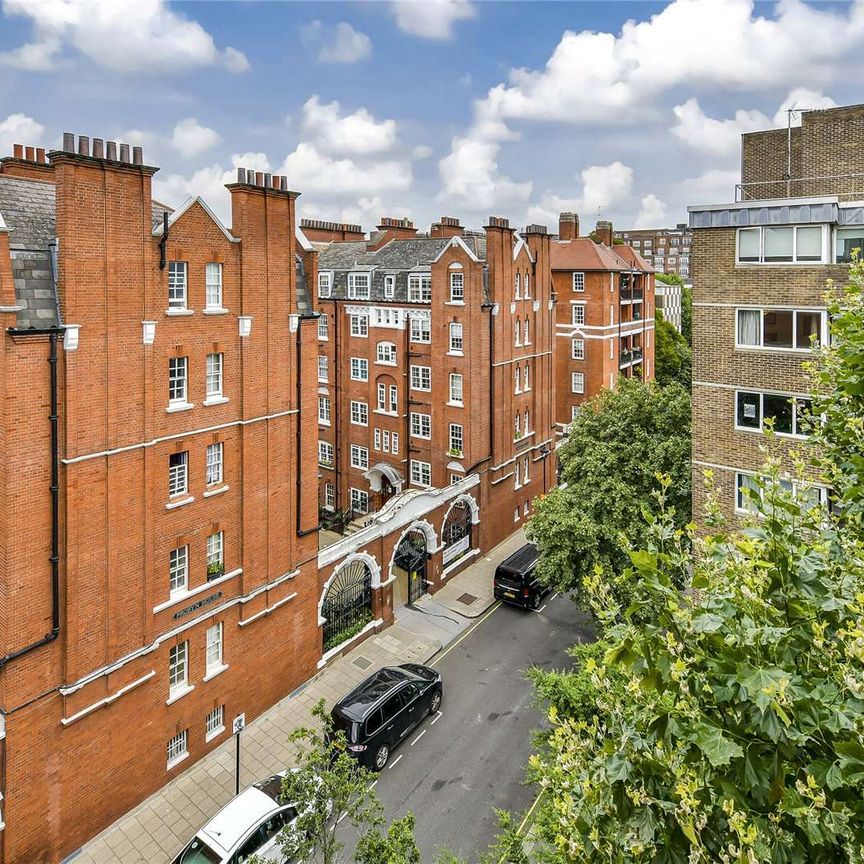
{"x":630,"y":295}
{"x":629,"y":357}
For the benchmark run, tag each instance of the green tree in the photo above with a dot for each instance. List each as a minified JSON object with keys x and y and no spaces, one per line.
{"x":617,"y":444}
{"x":673,"y":358}
{"x":397,"y":846}
{"x":686,"y":303}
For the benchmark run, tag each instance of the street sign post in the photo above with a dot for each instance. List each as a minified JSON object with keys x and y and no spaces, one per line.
{"x":238,"y":727}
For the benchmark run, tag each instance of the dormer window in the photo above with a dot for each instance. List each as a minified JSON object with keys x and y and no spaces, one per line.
{"x":420,"y":288}
{"x":389,"y":287}
{"x":358,"y":286}
{"x":325,"y":284}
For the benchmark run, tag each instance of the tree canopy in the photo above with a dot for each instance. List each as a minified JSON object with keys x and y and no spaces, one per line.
{"x":673,"y":359}
{"x":617,"y":444}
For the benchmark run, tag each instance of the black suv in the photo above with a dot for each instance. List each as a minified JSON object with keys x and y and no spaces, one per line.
{"x":516,"y":579}
{"x":377,"y":714}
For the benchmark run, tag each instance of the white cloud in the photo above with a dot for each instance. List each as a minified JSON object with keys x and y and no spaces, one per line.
{"x":347,"y":45}
{"x":19,"y":129}
{"x":126,"y":37}
{"x":208,"y":182}
{"x":311,"y":171}
{"x":431,"y":19}
{"x":604,"y":186}
{"x":713,"y":186}
{"x":334,"y":132}
{"x":715,"y":137}
{"x":802,"y":98}
{"x":191,"y":138}
{"x":652,"y":213}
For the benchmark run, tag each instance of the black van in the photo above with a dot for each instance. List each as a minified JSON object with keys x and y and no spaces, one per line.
{"x":516,"y":581}
{"x":379,"y":713}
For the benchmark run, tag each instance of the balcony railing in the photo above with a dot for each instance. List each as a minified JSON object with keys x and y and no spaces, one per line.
{"x":629,"y":356}
{"x":628,"y":295}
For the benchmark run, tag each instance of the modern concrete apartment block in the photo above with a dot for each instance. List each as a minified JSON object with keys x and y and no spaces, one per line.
{"x":760,"y":265}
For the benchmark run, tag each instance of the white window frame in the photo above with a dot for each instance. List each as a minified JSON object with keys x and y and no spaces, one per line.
{"x":823,"y":258}
{"x":760,"y":429}
{"x":527,"y":286}
{"x":178,"y":381}
{"x":357,"y":290}
{"x":324,"y":410}
{"x":578,"y":319}
{"x":457,"y":339}
{"x":215,"y":473}
{"x":215,"y":550}
{"x":823,"y":328}
{"x":517,"y":286}
{"x":323,"y":368}
{"x":457,"y":440}
{"x":420,"y":425}
{"x":359,"y":500}
{"x":214,"y":723}
{"x":329,"y":496}
{"x":178,"y":474}
{"x":794,"y":485}
{"x":385,"y":354}
{"x":457,"y":287}
{"x":381,"y":395}
{"x":359,"y":457}
{"x":394,"y":399}
{"x":177,"y":749}
{"x":394,"y":443}
{"x":325,"y":448}
{"x":178,"y":570}
{"x":419,"y":287}
{"x":457,"y":385}
{"x":359,"y":369}
{"x":421,"y":378}
{"x":578,"y":282}
{"x":213,"y":375}
{"x":389,"y":287}
{"x":577,"y":382}
{"x":577,"y":350}
{"x":359,"y":326}
{"x":214,"y":647}
{"x":421,"y":330}
{"x":323,"y":329}
{"x":526,"y":336}
{"x":178,"y":284}
{"x":526,"y":377}
{"x":213,"y":285}
{"x":178,"y":669}
{"x":359,"y":413}
{"x":420,"y":473}
{"x":517,"y":380}
{"x":325,"y":284}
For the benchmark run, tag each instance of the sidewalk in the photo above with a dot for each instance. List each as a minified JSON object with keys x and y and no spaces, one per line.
{"x":158,"y":827}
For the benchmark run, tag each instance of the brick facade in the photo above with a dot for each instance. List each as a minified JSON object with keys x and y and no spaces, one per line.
{"x":667,"y":250}
{"x":612,"y":333}
{"x":827,"y":144}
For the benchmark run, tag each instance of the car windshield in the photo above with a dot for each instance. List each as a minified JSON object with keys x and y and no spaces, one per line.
{"x":198,"y":852}
{"x":343,"y":724}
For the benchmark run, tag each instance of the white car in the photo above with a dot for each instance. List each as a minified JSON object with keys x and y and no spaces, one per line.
{"x":246,"y":826}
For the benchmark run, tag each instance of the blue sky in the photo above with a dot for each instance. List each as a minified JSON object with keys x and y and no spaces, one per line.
{"x":433,"y":107}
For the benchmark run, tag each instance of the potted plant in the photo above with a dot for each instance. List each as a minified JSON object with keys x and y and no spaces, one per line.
{"x":455,"y":451}
{"x":215,"y":569}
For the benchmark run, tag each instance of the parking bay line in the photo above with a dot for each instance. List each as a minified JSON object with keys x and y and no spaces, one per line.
{"x":395,"y":762}
{"x":419,"y":737}
{"x":438,"y":716}
{"x":468,"y":632}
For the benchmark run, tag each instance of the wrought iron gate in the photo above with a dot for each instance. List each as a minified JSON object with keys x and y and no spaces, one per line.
{"x":347,"y":606}
{"x":456,"y":532}
{"x":411,"y":556}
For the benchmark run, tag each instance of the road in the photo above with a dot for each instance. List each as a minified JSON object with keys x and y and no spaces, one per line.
{"x":454,"y":769}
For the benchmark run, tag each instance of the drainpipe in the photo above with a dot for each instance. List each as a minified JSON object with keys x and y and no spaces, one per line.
{"x":298,"y":426}
{"x":163,"y":243}
{"x":53,"y":418}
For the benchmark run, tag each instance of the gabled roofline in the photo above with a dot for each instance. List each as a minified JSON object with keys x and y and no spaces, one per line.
{"x":303,"y":240}
{"x":157,"y":232}
{"x":456,"y":240}
{"x":521,"y":242}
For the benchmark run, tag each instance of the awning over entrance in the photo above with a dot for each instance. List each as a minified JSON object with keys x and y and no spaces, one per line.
{"x":382,"y":469}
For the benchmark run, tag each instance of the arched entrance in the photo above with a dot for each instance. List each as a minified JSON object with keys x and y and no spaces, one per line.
{"x":409,"y":568}
{"x":456,"y":532}
{"x":347,"y":604}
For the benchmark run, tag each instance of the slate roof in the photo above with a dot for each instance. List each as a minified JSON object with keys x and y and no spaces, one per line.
{"x":29,"y":210}
{"x":583,"y":253}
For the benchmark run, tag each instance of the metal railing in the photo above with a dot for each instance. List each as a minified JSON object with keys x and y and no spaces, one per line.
{"x":786,"y":188}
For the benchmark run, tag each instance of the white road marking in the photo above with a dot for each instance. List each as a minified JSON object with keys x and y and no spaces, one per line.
{"x":438,"y":716}
{"x":542,"y":608}
{"x":341,"y":818}
{"x":395,"y":762}
{"x":554,"y":595}
{"x":373,"y":784}
{"x":418,"y":737}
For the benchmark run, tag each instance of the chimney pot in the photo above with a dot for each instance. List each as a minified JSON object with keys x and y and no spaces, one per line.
{"x":283,"y":183}
{"x":30,"y":154}
{"x":268,"y":180}
{"x":40,"y":155}
{"x":111,"y":151}
{"x":568,"y":226}
{"x":83,"y":145}
{"x":18,"y":151}
{"x":259,"y":178}
{"x":138,"y":155}
{"x":98,"y":149}
{"x":241,"y":175}
{"x":68,"y":142}
{"x":124,"y":152}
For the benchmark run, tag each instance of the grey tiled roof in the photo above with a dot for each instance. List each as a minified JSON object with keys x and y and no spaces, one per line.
{"x":28,"y":209}
{"x":34,"y":288}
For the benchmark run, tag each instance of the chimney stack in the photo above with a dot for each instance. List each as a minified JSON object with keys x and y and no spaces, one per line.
{"x":603,"y":232}
{"x":27,"y":163}
{"x":318,"y":230}
{"x":568,"y":226}
{"x":447,"y":226}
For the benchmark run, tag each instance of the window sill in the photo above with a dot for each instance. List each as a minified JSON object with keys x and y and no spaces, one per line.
{"x":384,"y":413}
{"x":180,"y":406}
{"x":777,"y":350}
{"x":386,"y":363}
{"x":219,"y":490}
{"x":182,"y":502}
{"x":216,"y":310}
{"x":323,"y":380}
{"x":323,"y":422}
{"x":358,"y":423}
{"x":217,"y":671}
{"x":455,"y":353}
{"x":215,"y":733}
{"x":178,"y":312}
{"x":180,"y":596}
{"x":179,"y":694}
{"x":215,"y":400}
{"x":456,"y":404}
{"x":176,"y":761}
{"x":325,"y":467}
{"x":454,"y":302}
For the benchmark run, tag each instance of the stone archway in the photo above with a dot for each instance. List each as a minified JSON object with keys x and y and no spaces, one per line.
{"x":346,"y":602}
{"x":409,"y":567}
{"x":457,"y":529}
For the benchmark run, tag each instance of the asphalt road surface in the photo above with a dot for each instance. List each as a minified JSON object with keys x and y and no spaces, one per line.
{"x":456,"y":767}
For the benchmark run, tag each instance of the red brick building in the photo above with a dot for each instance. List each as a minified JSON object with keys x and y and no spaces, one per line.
{"x":435,"y":362}
{"x":158,"y":563}
{"x":604,"y":318}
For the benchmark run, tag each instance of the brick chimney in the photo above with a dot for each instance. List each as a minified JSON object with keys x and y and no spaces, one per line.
{"x":28,"y":163}
{"x":447,"y":226}
{"x":603,"y":233}
{"x":390,"y":229}
{"x":568,"y":226}
{"x":316,"y":230}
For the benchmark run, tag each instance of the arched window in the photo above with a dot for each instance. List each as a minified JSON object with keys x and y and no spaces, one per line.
{"x":456,"y":532}
{"x":347,"y":605}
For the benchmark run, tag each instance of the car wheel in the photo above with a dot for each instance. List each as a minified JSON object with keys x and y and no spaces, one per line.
{"x":435,"y":702}
{"x":382,"y":754}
